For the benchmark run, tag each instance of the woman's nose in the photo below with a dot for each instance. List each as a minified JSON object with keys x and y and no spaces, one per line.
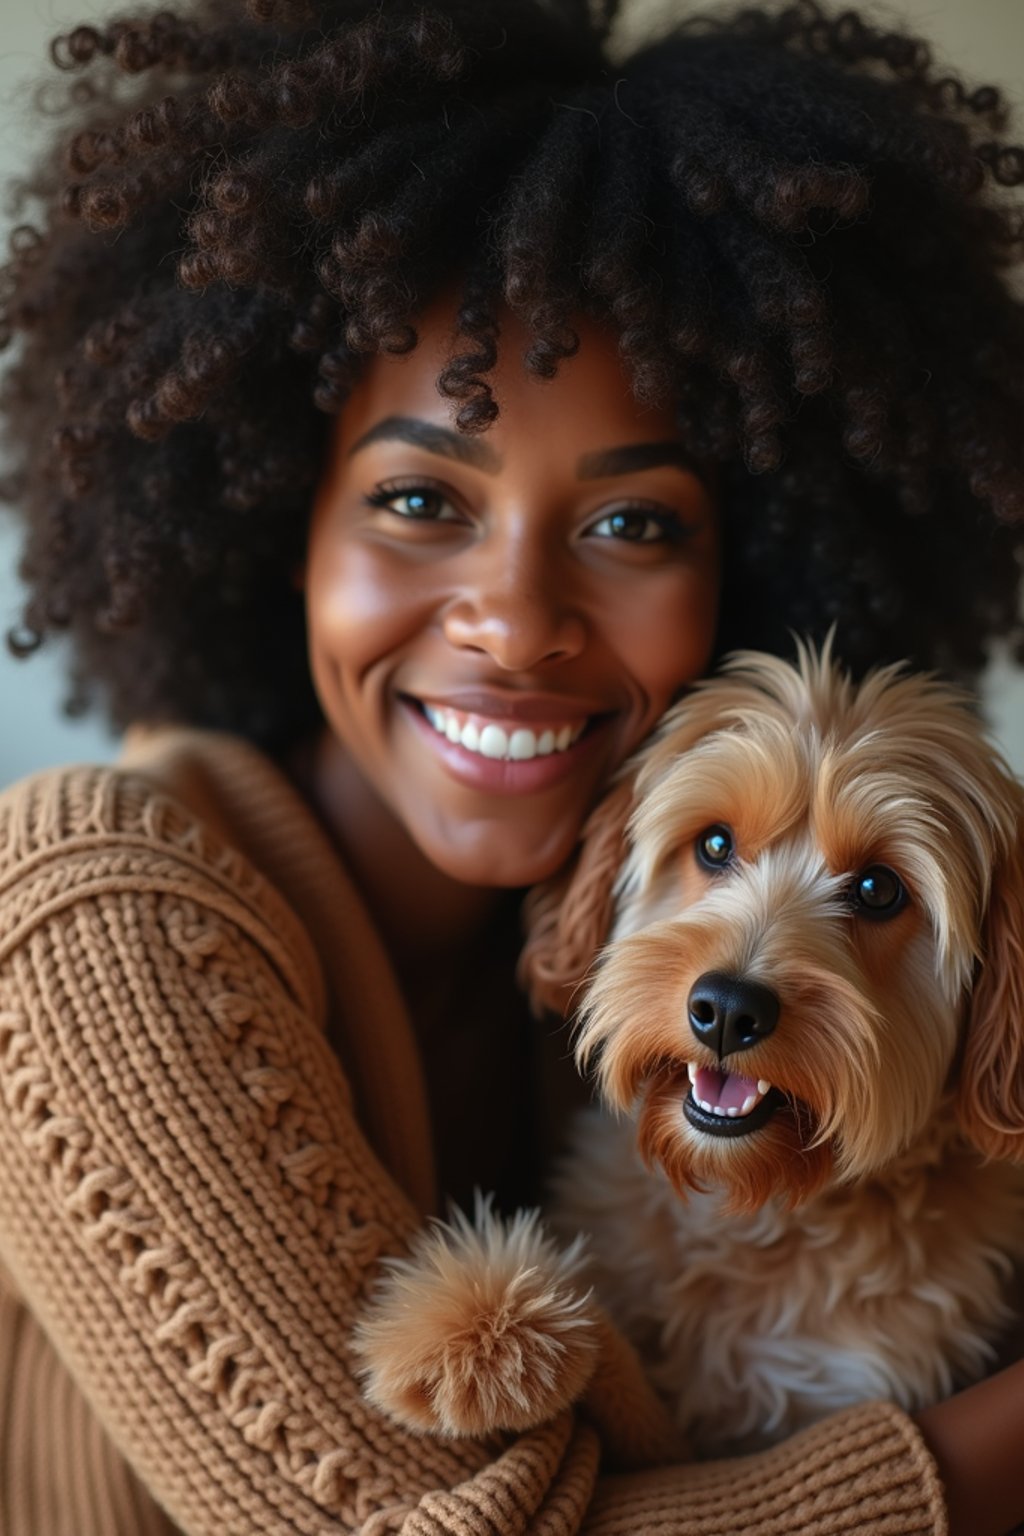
{"x":518,"y":612}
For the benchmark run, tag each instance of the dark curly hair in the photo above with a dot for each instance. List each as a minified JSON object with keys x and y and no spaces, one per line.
{"x":797,"y":227}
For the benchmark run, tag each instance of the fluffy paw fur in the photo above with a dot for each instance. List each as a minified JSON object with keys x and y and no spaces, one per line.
{"x":482,"y":1327}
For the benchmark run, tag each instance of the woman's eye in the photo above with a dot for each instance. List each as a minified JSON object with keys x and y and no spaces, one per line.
{"x":715,"y":847}
{"x":638,"y":525}
{"x":415,"y":503}
{"x":877,"y":892}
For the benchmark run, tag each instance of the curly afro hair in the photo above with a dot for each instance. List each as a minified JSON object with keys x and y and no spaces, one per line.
{"x":797,"y":227}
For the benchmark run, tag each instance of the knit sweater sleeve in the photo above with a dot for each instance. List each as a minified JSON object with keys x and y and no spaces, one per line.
{"x":189,"y":1209}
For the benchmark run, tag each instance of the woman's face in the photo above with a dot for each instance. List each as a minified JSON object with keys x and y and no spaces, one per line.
{"x":496,"y":621}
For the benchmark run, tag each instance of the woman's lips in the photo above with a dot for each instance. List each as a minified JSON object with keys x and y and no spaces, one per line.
{"x":515,"y":765}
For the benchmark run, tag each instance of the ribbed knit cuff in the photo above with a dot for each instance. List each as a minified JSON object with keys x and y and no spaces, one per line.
{"x":865,"y":1471}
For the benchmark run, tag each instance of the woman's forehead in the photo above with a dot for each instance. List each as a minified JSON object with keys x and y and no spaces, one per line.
{"x":589,"y":405}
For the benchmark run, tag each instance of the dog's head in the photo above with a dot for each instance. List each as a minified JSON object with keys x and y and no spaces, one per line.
{"x":813,"y":893}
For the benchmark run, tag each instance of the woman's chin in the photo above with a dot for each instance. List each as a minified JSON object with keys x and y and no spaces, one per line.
{"x":505,"y":862}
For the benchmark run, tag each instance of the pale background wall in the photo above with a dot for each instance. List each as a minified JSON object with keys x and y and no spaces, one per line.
{"x":984,"y":38}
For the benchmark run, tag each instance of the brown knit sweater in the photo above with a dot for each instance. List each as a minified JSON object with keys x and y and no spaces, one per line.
{"x":212,"y":1123}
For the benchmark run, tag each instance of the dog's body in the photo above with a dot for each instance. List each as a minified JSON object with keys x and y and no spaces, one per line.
{"x":753,"y":1324}
{"x":812,"y":1007}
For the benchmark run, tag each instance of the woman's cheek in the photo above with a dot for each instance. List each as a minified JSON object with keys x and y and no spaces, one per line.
{"x":670,"y":638}
{"x":362,"y":605}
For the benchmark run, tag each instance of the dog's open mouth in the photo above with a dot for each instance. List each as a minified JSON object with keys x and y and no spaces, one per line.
{"x":723,"y":1103}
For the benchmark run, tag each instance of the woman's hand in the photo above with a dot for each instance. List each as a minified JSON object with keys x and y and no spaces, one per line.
{"x":977,"y":1439}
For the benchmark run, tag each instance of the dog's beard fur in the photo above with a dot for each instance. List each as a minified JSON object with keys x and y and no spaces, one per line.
{"x":817,"y":784}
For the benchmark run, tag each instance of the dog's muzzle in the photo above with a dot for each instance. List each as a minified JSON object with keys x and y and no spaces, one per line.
{"x":728,"y":1015}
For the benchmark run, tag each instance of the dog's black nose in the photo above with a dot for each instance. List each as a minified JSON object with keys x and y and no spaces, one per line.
{"x":729,"y":1015}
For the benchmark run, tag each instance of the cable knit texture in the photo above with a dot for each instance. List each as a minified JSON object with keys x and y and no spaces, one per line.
{"x":191,"y":1209}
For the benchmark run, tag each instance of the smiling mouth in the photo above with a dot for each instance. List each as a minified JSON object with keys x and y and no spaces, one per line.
{"x":722,"y":1103}
{"x":504,"y":740}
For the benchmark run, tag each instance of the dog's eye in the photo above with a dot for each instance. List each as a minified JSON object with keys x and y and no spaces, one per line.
{"x":878,"y":892}
{"x":715,"y":847}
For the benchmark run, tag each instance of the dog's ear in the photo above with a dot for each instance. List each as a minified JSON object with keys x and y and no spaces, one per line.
{"x":990,"y":1104}
{"x":568,"y":917}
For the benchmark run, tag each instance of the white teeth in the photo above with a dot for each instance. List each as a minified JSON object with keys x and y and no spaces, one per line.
{"x":763,"y":1086}
{"x":732,"y":1111}
{"x":705,"y":1105}
{"x":749,"y":1102}
{"x":691,"y":1067}
{"x":522,"y":746}
{"x":494,"y":741}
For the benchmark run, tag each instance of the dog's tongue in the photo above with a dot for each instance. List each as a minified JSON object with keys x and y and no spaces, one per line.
{"x":727,"y":1089}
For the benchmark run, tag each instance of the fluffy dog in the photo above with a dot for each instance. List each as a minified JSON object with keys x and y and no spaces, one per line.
{"x":811,"y":1006}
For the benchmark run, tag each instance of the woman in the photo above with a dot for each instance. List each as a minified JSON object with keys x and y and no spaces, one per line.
{"x":411,"y":401}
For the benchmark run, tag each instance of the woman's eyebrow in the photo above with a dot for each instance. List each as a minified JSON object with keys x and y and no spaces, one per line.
{"x":435,"y":439}
{"x":600,"y":464}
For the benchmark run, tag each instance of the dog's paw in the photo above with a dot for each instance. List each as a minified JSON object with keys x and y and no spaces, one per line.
{"x":481,"y":1328}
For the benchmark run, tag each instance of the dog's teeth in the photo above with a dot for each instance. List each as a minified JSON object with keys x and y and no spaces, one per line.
{"x":723,"y":1111}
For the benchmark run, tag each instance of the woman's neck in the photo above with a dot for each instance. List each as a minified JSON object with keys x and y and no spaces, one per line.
{"x":422,"y":914}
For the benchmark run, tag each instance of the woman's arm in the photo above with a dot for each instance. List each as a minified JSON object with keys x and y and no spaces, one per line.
{"x":862,"y":1472}
{"x":977,"y":1439}
{"x":187,"y":1205}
